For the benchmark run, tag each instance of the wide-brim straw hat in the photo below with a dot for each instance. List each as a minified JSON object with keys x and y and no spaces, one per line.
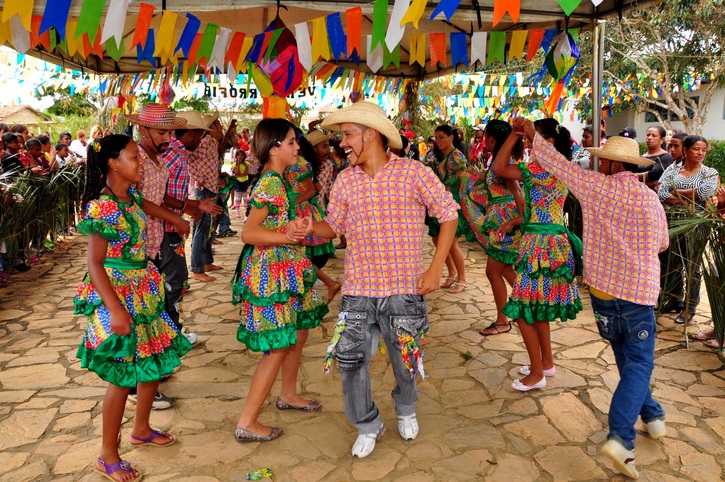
{"x":157,"y":116}
{"x":211,"y":118}
{"x":194,"y":120}
{"x":621,"y":149}
{"x":316,"y":136}
{"x":366,"y":114}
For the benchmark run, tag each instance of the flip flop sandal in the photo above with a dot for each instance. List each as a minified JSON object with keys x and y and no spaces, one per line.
{"x":313,"y":406}
{"x":109,"y":469}
{"x":494,"y":326}
{"x":450,"y":281}
{"x":702,"y":336}
{"x":246,"y":436}
{"x":150,"y":439}
{"x":457,"y":288}
{"x":712,"y":343}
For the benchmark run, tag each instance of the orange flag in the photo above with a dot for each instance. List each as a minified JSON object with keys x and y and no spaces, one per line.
{"x":500,"y":7}
{"x":438,"y":49}
{"x":145,"y":15}
{"x":354,"y":30}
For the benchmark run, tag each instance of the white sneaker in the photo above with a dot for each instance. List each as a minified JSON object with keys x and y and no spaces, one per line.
{"x":657,"y":429}
{"x":192,"y":337}
{"x":408,"y":426}
{"x":365,"y":443}
{"x":622,"y":458}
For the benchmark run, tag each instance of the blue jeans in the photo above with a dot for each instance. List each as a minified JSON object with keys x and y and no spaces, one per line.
{"x":201,"y":239}
{"x":173,"y":266}
{"x":631,"y":330}
{"x":369,"y":319}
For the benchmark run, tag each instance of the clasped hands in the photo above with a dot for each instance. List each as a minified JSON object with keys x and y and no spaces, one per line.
{"x":299,"y":228}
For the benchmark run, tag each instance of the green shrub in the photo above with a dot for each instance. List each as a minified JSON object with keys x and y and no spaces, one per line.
{"x":716,"y":157}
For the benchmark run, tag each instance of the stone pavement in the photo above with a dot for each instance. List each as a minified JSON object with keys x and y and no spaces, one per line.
{"x":473,"y":426}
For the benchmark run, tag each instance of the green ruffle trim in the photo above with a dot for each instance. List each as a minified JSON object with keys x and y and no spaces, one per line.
{"x":434,"y":227}
{"x":241,"y":292}
{"x":562,"y":271}
{"x":99,"y":227}
{"x":307,"y":320}
{"x":323,"y":249}
{"x":83,"y":307}
{"x":104,"y":360}
{"x":505,"y":257}
{"x":516,"y":309}
{"x":305,"y":175}
{"x":268,"y":340}
{"x":273,"y":210}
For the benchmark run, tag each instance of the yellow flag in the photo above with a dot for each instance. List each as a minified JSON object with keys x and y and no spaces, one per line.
{"x":417,"y":49}
{"x":320,"y":40}
{"x":165,"y":37}
{"x":246,"y":45}
{"x":21,"y":8}
{"x":518,"y":40}
{"x":70,"y":34}
{"x":415,"y":11}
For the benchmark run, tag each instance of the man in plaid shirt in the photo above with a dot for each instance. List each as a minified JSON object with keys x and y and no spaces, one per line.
{"x":624,"y":230}
{"x":172,"y":260}
{"x":379,"y":203}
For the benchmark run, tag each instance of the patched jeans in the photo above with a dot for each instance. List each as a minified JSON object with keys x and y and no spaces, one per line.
{"x":369,"y":319}
{"x":631,"y":329}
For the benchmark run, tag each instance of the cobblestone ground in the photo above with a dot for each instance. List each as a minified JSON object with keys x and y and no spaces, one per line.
{"x":473,"y":426}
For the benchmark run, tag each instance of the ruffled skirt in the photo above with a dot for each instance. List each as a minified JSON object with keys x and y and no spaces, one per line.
{"x":274,"y":289}
{"x":153,"y":348}
{"x":545,"y":287}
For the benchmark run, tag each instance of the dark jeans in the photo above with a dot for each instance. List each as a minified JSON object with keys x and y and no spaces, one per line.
{"x":172,"y":264}
{"x":631,"y":330}
{"x":367,"y":319}
{"x":201,"y":241}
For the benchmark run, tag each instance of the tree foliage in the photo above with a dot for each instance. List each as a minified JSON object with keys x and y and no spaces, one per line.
{"x":664,"y":50}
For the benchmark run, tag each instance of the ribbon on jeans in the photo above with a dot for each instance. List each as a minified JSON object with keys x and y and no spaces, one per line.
{"x":339,"y":328}
{"x":412,"y":356}
{"x":259,"y":474}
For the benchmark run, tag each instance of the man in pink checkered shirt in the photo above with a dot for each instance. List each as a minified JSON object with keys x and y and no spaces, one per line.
{"x":625,"y":228}
{"x":379,"y":203}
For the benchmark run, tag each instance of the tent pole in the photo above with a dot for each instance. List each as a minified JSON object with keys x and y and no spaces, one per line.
{"x":597,"y":68}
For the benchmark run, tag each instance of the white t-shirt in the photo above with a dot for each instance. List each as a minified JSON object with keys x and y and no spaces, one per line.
{"x":79,"y":149}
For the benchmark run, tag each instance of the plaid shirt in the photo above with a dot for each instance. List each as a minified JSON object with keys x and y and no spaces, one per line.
{"x":624,"y":227}
{"x":205,"y":165}
{"x":153,"y":188}
{"x":176,"y":159}
{"x":383,"y":219}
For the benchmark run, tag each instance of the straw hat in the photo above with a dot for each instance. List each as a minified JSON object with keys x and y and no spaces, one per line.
{"x":194,"y":120}
{"x":479,"y":127}
{"x":157,"y":116}
{"x":366,"y":114}
{"x":211,"y":118}
{"x":621,"y":149}
{"x":316,"y":136}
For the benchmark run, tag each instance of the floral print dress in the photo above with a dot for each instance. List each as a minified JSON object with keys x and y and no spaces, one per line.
{"x":316,"y":246}
{"x":453,"y":174}
{"x":154,"y":347}
{"x":273,"y":284}
{"x":545,"y":287}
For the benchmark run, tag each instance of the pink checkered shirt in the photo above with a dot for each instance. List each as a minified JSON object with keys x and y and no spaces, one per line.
{"x":153,"y":188}
{"x":205,"y":165}
{"x":625,"y":227}
{"x":384,"y":221}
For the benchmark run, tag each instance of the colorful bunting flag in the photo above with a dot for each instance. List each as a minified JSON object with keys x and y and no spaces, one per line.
{"x":353,"y":17}
{"x":417,"y":49}
{"x":415,"y":11}
{"x":380,"y":18}
{"x":320,"y":42}
{"x":188,"y":35}
{"x":437,"y":50}
{"x":478,"y":48}
{"x":145,"y":15}
{"x":459,"y":48}
{"x":304,"y":47}
{"x":22,"y":8}
{"x":518,"y":41}
{"x":395,"y":32}
{"x":54,"y":16}
{"x":535,"y":37}
{"x":569,"y":6}
{"x":500,"y":7}
{"x":496,"y":46}
{"x":447,"y":7}
{"x":338,"y":42}
{"x":113,"y":26}
{"x":90,"y":18}
{"x":165,"y":37}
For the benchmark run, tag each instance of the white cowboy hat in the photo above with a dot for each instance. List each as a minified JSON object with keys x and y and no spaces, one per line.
{"x":366,"y":114}
{"x":316,"y":136}
{"x":157,"y":116}
{"x":194,"y":120}
{"x":621,"y":149}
